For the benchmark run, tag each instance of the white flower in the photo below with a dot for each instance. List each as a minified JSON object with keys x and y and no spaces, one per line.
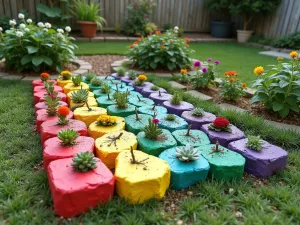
{"x":176,"y":28}
{"x":59,"y":35}
{"x":61,"y":31}
{"x":12,"y":22}
{"x":22,"y":26}
{"x":1,"y":29}
{"x":26,"y":29}
{"x":175,"y":31}
{"x":29,"y":21}
{"x":41,"y":25}
{"x":21,"y":16}
{"x":68,"y":29}
{"x":19,"y":34}
{"x":48,"y":25}
{"x":45,"y":29}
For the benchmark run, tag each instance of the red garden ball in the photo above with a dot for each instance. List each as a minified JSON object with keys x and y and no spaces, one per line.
{"x":221,"y":122}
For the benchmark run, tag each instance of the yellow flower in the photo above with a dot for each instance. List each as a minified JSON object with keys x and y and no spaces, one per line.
{"x":142,"y":77}
{"x":294,"y":54}
{"x":279,"y":58}
{"x":106,"y":119}
{"x":258,"y":70}
{"x":183,"y":70}
{"x":65,"y":73}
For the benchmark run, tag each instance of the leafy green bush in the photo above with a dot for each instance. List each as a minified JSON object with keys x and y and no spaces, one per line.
{"x":232,"y":87}
{"x":35,"y":48}
{"x":291,"y":41}
{"x":4,"y":22}
{"x":150,"y":28}
{"x":279,"y":88}
{"x":162,"y":51}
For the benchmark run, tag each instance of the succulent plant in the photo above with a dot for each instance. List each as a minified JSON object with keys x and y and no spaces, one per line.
{"x":121,"y":99}
{"x":84,"y":162}
{"x":198,"y":112}
{"x":68,"y":137}
{"x":254,"y":143}
{"x":176,"y":99}
{"x":151,"y":130}
{"x":154,"y":88}
{"x":121,"y":71}
{"x":76,"y":80}
{"x":170,"y":117}
{"x":96,"y":81}
{"x":187,"y":153}
{"x":80,"y":96}
{"x":52,"y":102}
{"x":89,"y":76}
{"x":132,"y":74}
{"x":49,"y":87}
{"x":105,"y":88}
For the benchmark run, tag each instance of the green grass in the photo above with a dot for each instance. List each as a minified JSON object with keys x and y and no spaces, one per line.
{"x":25,"y":197}
{"x":233,"y":56}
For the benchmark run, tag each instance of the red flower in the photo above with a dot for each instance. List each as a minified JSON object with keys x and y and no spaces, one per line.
{"x":45,"y":76}
{"x":162,"y":47}
{"x":63,"y":111}
{"x":155,"y":121}
{"x":187,"y":39}
{"x":157,"y":32}
{"x":221,"y":122}
{"x":131,"y":46}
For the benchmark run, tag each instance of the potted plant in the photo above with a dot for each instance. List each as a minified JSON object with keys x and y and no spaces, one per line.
{"x":121,"y":106}
{"x":198,"y":117}
{"x":187,"y":165}
{"x":248,"y":10}
{"x":80,"y":98}
{"x":176,"y":105}
{"x":221,"y":26}
{"x":88,"y":77}
{"x":64,"y":78}
{"x":78,"y":184}
{"x":88,"y":17}
{"x":136,"y":123}
{"x":103,"y":91}
{"x":140,"y":83}
{"x":95,"y":83}
{"x":120,"y":73}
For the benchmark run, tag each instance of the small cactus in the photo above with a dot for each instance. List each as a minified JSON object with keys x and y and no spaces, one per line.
{"x":80,"y":96}
{"x":96,"y":81}
{"x":84,"y":162}
{"x":68,"y":137}
{"x":187,"y":153}
{"x":176,"y":99}
{"x":254,"y":143}
{"x":198,"y":112}
{"x":76,"y":80}
{"x":89,"y":76}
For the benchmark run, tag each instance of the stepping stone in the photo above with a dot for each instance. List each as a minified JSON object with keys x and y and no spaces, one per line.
{"x":147,"y":91}
{"x":264,"y":163}
{"x":178,"y":109}
{"x":155,"y":147}
{"x":41,"y":83}
{"x":107,"y":150}
{"x":276,"y":54}
{"x":223,"y":137}
{"x":76,"y":192}
{"x":196,"y":137}
{"x":42,"y":105}
{"x":150,"y":110}
{"x":176,"y":124}
{"x":54,"y":150}
{"x":113,"y":110}
{"x":199,"y":95}
{"x":12,"y":77}
{"x":226,"y":106}
{"x":85,"y":115}
{"x":225,"y":165}
{"x":177,"y":85}
{"x":159,"y":99}
{"x":135,"y":126}
{"x":284,"y":126}
{"x":197,"y":122}
{"x":184,"y":174}
{"x":140,"y":102}
{"x":137,"y":183}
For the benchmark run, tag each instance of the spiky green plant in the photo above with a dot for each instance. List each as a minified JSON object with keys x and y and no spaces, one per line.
{"x":52,"y":102}
{"x":176,"y":99}
{"x":76,"y":80}
{"x":67,"y":137}
{"x":121,"y":99}
{"x":132,"y":74}
{"x":187,"y":153}
{"x":49,"y":87}
{"x":89,"y":76}
{"x":121,"y":71}
{"x":170,"y":117}
{"x":80,"y":96}
{"x":84,"y":162}
{"x":96,"y":81}
{"x":105,"y":89}
{"x":254,"y":143}
{"x":198,"y":112}
{"x":154,"y":88}
{"x":151,"y":130}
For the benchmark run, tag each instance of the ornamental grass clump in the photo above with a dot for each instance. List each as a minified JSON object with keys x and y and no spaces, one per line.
{"x":170,"y":117}
{"x":67,"y":137}
{"x":96,"y":81}
{"x":254,"y":143}
{"x":198,"y":112}
{"x":152,"y":131}
{"x":89,"y":76}
{"x":105,"y":120}
{"x":140,"y":81}
{"x":121,"y":99}
{"x":220,"y":124}
{"x":62,"y":113}
{"x":105,"y":89}
{"x":80,"y":96}
{"x":121,"y":71}
{"x":132,"y":74}
{"x":176,"y":99}
{"x":154,"y":88}
{"x":232,"y":87}
{"x":84,"y":162}
{"x":65,"y":75}
{"x":187,"y":153}
{"x":77,"y":80}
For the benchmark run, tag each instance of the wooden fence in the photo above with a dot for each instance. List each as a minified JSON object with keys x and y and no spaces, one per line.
{"x":192,"y":15}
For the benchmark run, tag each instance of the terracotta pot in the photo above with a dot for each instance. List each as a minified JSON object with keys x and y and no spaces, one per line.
{"x":88,"y":29}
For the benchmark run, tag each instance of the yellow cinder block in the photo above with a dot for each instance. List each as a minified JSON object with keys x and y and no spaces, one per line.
{"x":87,"y":116}
{"x":62,"y":83}
{"x":70,"y":87}
{"x":91,"y":101}
{"x":96,"y":131}
{"x":91,"y":95}
{"x":138,"y":183}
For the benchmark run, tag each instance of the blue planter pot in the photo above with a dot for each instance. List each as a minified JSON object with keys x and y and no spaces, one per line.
{"x":221,"y":29}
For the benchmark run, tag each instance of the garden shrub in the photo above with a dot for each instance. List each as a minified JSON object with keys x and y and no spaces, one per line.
{"x":160,"y":51}
{"x":35,"y":47}
{"x":232,"y":87}
{"x":279,"y":88}
{"x":291,"y":41}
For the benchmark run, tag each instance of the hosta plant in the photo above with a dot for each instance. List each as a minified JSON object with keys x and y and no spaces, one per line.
{"x":220,"y":124}
{"x":121,"y":71}
{"x":232,"y":87}
{"x":170,"y":117}
{"x":67,"y":137}
{"x":198,"y":112}
{"x":121,"y":99}
{"x":30,"y":47}
{"x":96,"y":81}
{"x":65,"y":75}
{"x":132,"y":74}
{"x":279,"y":88}
{"x":160,"y":51}
{"x":151,"y":130}
{"x":84,"y":162}
{"x":176,"y":98}
{"x":89,"y":76}
{"x":255,"y":143}
{"x":76,"y":80}
{"x":105,"y":120}
{"x":187,"y":153}
{"x":80,"y":96}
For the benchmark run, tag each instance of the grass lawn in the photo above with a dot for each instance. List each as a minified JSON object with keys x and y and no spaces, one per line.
{"x":233,"y":56}
{"x":25,"y":197}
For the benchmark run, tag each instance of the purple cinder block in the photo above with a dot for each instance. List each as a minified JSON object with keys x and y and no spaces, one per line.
{"x":178,"y":109}
{"x":261,"y":164}
{"x":147,"y":91}
{"x":197,"y":122}
{"x":140,"y":88}
{"x":116,"y":76}
{"x":223,"y":137}
{"x":126,"y":80}
{"x":160,"y":99}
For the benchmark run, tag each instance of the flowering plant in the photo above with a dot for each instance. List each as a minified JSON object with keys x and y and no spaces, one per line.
{"x":160,"y":51}
{"x":105,"y":120}
{"x":62,"y":113}
{"x":279,"y":88}
{"x":205,"y":76}
{"x":184,"y":76}
{"x":231,"y":86}
{"x":65,"y":75}
{"x":35,"y":47}
{"x":220,"y":124}
{"x":140,"y":81}
{"x":45,"y":76}
{"x":151,"y":130}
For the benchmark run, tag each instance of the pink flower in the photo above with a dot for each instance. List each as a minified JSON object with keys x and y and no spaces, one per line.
{"x":197,"y":63}
{"x":204,"y":70}
{"x":155,"y":121}
{"x":209,"y":59}
{"x":217,"y":62}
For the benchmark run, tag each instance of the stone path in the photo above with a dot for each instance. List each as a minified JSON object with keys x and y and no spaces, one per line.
{"x":276,"y":54}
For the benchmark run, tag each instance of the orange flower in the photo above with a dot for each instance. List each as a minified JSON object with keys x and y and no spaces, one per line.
{"x":171,"y":41}
{"x":162,"y":47}
{"x":131,"y":46}
{"x":157,"y":32}
{"x":183,"y":70}
{"x":244,"y":84}
{"x":140,"y":39}
{"x":135,"y":43}
{"x":187,"y":40}
{"x":186,"y":45}
{"x":230,"y":73}
{"x":231,"y":80}
{"x":163,"y":41}
{"x":294,"y":54}
{"x":63,"y":111}
{"x":258,"y":70}
{"x":45,"y":76}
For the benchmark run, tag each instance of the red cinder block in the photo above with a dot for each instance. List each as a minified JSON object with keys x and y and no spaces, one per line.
{"x":42,"y":105}
{"x":41,"y":83}
{"x":40,"y":96}
{"x":42,"y":88}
